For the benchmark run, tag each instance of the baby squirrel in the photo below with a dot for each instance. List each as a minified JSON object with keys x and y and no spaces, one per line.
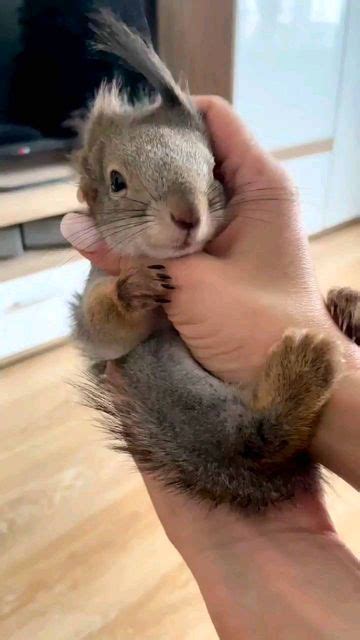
{"x":146,"y":173}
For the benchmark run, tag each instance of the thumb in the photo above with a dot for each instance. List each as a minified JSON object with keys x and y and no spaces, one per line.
{"x":261,"y":196}
{"x":80,"y":230}
{"x":198,"y":282}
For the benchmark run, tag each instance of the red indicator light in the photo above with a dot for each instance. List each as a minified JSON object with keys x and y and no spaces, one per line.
{"x":24,"y":151}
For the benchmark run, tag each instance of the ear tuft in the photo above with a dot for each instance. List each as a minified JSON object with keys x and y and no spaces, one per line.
{"x":109,"y":100}
{"x":80,"y":195}
{"x":87,"y":192}
{"x":183,"y":83}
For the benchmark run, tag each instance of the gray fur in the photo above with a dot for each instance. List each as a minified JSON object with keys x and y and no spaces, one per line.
{"x":193,"y":431}
{"x":175,"y":419}
{"x":161,"y":148}
{"x":161,"y":151}
{"x":80,"y":328}
{"x":113,"y":36}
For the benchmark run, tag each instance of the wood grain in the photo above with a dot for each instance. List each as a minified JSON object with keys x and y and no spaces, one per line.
{"x":197,"y":39}
{"x":36,"y":203}
{"x":301,"y":150}
{"x":36,"y":260}
{"x":82,"y":553}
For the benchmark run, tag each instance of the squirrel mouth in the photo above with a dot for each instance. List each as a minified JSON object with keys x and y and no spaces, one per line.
{"x":188,"y":245}
{"x":187,"y":242}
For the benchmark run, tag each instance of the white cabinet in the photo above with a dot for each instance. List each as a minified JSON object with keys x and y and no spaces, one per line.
{"x":297,"y":85}
{"x":343,"y":198}
{"x":310,"y":174}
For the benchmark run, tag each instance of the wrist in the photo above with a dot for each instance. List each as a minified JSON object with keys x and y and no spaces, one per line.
{"x":291,"y":580}
{"x":199,"y":532}
{"x":208,"y":536}
{"x":336,"y":442}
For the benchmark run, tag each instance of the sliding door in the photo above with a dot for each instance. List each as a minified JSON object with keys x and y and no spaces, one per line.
{"x":296,"y":84}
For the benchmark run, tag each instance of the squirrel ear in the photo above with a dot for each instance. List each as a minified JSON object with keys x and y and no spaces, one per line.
{"x":109,"y":103}
{"x":87,"y":192}
{"x":80,"y":196}
{"x":184,"y":83}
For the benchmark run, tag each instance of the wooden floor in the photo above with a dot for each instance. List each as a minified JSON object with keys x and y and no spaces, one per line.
{"x":82,"y":554}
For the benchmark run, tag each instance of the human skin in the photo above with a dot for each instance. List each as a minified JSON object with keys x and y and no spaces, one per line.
{"x":283,"y":574}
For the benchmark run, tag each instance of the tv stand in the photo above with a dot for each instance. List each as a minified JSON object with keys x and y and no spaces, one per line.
{"x":48,"y":165}
{"x":35,"y":287}
{"x":36,"y":192}
{"x":25,"y":178}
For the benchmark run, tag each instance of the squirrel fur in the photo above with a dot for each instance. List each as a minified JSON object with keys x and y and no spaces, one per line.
{"x":146,"y":173}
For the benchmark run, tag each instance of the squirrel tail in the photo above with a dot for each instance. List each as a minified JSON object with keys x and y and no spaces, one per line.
{"x":196,"y":433}
{"x":114,"y":37}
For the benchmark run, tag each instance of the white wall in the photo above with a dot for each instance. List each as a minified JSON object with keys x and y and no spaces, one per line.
{"x":343,"y":201}
{"x":296,"y":81}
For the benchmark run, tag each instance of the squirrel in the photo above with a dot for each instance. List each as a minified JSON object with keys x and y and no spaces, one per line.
{"x":146,"y":174}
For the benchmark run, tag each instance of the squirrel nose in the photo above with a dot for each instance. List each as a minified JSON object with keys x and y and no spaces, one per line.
{"x":186,"y":219}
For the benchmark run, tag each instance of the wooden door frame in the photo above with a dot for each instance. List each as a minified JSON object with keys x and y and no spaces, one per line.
{"x":196,"y":38}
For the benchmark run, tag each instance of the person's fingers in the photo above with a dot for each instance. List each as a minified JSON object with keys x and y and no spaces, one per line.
{"x":104,"y":259}
{"x":259,"y":232}
{"x":229,"y":135}
{"x":203,"y":297}
{"x":261,"y":213}
{"x":261,"y":195}
{"x":194,"y":278}
{"x":80,"y":230}
{"x":240,"y":156}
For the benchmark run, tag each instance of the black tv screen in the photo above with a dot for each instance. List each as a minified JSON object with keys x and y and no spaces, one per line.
{"x":48,"y":70}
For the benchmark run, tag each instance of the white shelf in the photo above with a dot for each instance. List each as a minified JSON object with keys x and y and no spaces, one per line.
{"x":33,"y":175}
{"x":34,"y":309}
{"x":36,"y":260}
{"x":35,"y":203}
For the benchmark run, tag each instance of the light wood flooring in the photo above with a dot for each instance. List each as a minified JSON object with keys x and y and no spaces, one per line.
{"x":82,"y":553}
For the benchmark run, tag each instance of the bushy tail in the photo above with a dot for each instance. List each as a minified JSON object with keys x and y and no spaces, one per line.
{"x":113,"y":36}
{"x":192,"y":431}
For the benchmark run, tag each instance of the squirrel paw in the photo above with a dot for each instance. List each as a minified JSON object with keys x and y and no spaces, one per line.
{"x":344,"y":307}
{"x":144,"y":288}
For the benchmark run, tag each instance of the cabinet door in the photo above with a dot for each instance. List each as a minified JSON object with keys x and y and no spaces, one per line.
{"x":343,"y":200}
{"x":287,"y":63}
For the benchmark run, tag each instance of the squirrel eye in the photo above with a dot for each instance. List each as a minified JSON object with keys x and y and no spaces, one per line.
{"x":117,"y":181}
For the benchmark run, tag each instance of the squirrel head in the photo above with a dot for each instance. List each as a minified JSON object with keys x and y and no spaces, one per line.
{"x":147,"y":177}
{"x":146,"y":171}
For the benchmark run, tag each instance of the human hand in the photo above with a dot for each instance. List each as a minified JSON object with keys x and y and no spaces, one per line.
{"x":231,"y":306}
{"x":264,"y":575}
{"x":260,"y":282}
{"x":256,"y":280}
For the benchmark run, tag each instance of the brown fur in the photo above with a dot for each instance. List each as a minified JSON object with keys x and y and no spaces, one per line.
{"x":243,"y":447}
{"x":122,"y":309}
{"x":296,"y":382}
{"x":344,"y":306}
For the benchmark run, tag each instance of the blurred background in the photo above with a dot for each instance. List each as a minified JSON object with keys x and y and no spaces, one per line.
{"x":83,"y":554}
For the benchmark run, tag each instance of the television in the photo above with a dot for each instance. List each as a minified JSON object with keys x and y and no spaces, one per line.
{"x":49,"y":70}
